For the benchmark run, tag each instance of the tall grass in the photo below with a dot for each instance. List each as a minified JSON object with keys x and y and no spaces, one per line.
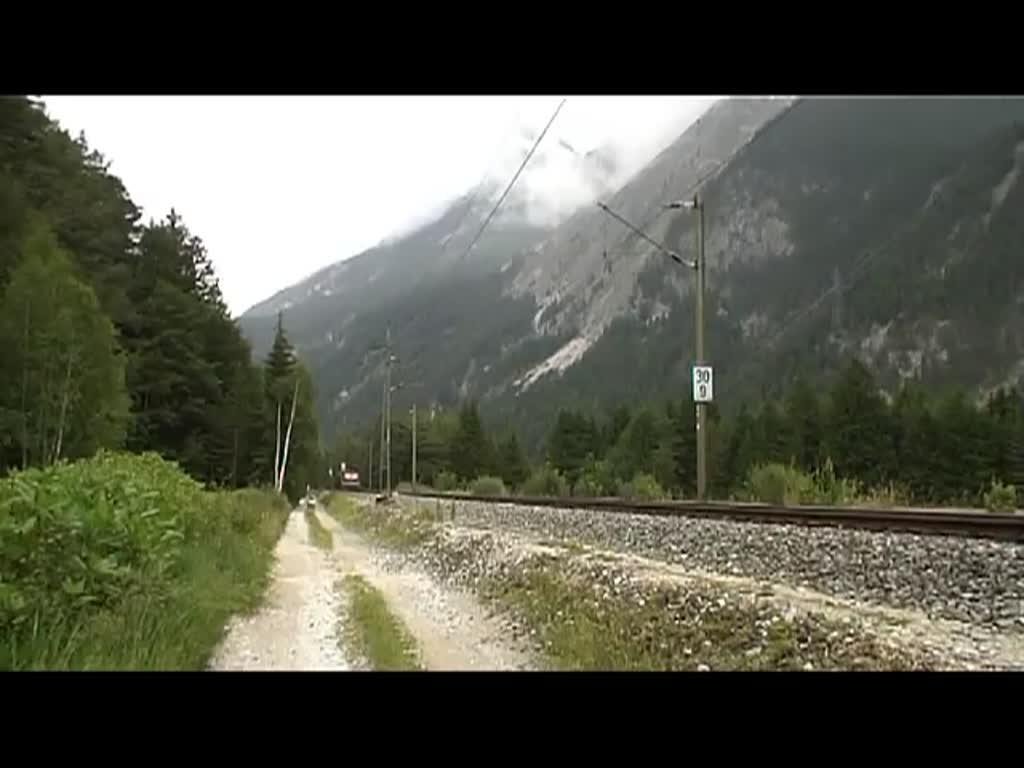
{"x":545,"y":480}
{"x":318,"y":535}
{"x":402,"y":529}
{"x":788,"y":485}
{"x":373,"y":632}
{"x":124,"y":562}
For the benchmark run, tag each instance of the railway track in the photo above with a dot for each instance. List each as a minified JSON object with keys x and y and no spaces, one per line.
{"x":968,"y":523}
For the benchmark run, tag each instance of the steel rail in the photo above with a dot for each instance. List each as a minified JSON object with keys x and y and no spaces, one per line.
{"x":966,"y":523}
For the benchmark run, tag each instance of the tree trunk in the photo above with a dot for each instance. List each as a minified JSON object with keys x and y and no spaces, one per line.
{"x":24,"y":393}
{"x":277,"y":445}
{"x":65,"y":397}
{"x":234,"y":462}
{"x":288,"y":437}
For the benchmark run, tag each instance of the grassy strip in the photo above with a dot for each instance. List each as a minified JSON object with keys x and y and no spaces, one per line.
{"x":587,"y":621}
{"x":123,"y":562}
{"x":373,"y":632}
{"x":318,"y":535}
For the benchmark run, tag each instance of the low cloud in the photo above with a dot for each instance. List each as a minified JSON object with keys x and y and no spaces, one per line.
{"x":594,"y":146}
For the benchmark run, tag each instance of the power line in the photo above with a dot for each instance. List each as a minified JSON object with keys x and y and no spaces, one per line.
{"x":659,"y":210}
{"x":469,"y":204}
{"x":508,"y":189}
{"x":671,"y":254}
{"x":465,"y":214}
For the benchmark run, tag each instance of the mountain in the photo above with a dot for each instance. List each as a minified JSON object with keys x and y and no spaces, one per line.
{"x":887,"y":229}
{"x":322,"y":308}
{"x":495,"y":324}
{"x":890,"y":229}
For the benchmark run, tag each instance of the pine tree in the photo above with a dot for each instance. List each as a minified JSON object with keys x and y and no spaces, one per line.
{"x":802,"y":413}
{"x":573,"y":438}
{"x":912,"y":429}
{"x":740,"y":452}
{"x":433,"y":446}
{"x":1001,"y":416}
{"x":617,"y":422}
{"x":683,"y":425}
{"x":470,"y":447}
{"x":280,"y":364}
{"x":172,"y":383}
{"x":512,"y":465}
{"x":303,"y":462}
{"x":279,"y":386}
{"x":774,"y":434}
{"x":859,"y":436}
{"x":13,"y":218}
{"x":963,"y":469}
{"x":1015,"y":460}
{"x":634,"y":450}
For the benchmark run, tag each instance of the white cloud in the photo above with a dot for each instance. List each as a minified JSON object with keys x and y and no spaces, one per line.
{"x":278,"y":187}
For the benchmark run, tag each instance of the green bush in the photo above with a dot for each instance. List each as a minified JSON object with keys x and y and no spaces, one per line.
{"x":546,"y":481}
{"x":587,"y":487}
{"x":488,"y":486}
{"x":827,"y":488}
{"x":781,"y":484}
{"x":597,"y":480}
{"x":1000,"y":497}
{"x":124,"y":561}
{"x":642,"y":487}
{"x":446,"y":481}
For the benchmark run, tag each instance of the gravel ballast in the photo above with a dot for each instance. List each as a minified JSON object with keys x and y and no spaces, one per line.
{"x":969,"y":580}
{"x":588,"y":610}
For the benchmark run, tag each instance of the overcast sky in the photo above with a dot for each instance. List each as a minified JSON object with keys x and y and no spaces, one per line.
{"x":278,"y":187}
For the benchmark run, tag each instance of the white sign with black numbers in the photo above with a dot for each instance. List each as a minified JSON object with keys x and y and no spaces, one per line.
{"x":703,"y":384}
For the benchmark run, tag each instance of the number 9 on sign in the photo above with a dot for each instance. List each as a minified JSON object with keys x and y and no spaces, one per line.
{"x":703,"y":384}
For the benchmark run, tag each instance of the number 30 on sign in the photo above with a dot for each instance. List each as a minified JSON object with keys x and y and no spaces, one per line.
{"x":703,"y":384}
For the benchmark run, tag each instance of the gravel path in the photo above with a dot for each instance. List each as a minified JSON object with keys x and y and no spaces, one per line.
{"x":968,"y":580}
{"x":296,"y":627}
{"x":451,"y":628}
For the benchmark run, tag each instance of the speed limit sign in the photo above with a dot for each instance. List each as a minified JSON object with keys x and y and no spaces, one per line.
{"x":703,"y":384}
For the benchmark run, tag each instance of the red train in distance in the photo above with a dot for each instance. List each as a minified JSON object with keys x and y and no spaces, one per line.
{"x":349,"y":477}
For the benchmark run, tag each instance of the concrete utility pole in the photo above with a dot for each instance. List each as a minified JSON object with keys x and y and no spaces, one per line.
{"x":385,"y":425}
{"x":414,"y":447}
{"x":698,"y":265}
{"x":384,"y":470}
{"x":697,"y":206}
{"x":383,"y":419}
{"x":369,"y":471}
{"x":702,"y":408}
{"x":388,"y":454}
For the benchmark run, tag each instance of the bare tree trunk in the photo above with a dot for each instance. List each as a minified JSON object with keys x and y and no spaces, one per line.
{"x":234,"y":462}
{"x":41,"y":426}
{"x":46,"y":415}
{"x":65,"y":397}
{"x":277,"y":445}
{"x":288,"y":437}
{"x":24,"y":393}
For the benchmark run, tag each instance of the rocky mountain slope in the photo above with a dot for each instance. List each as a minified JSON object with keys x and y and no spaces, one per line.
{"x":888,"y":228}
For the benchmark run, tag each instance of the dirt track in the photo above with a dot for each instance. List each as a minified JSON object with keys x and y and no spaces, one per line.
{"x":298,"y":626}
{"x":295,"y":629}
